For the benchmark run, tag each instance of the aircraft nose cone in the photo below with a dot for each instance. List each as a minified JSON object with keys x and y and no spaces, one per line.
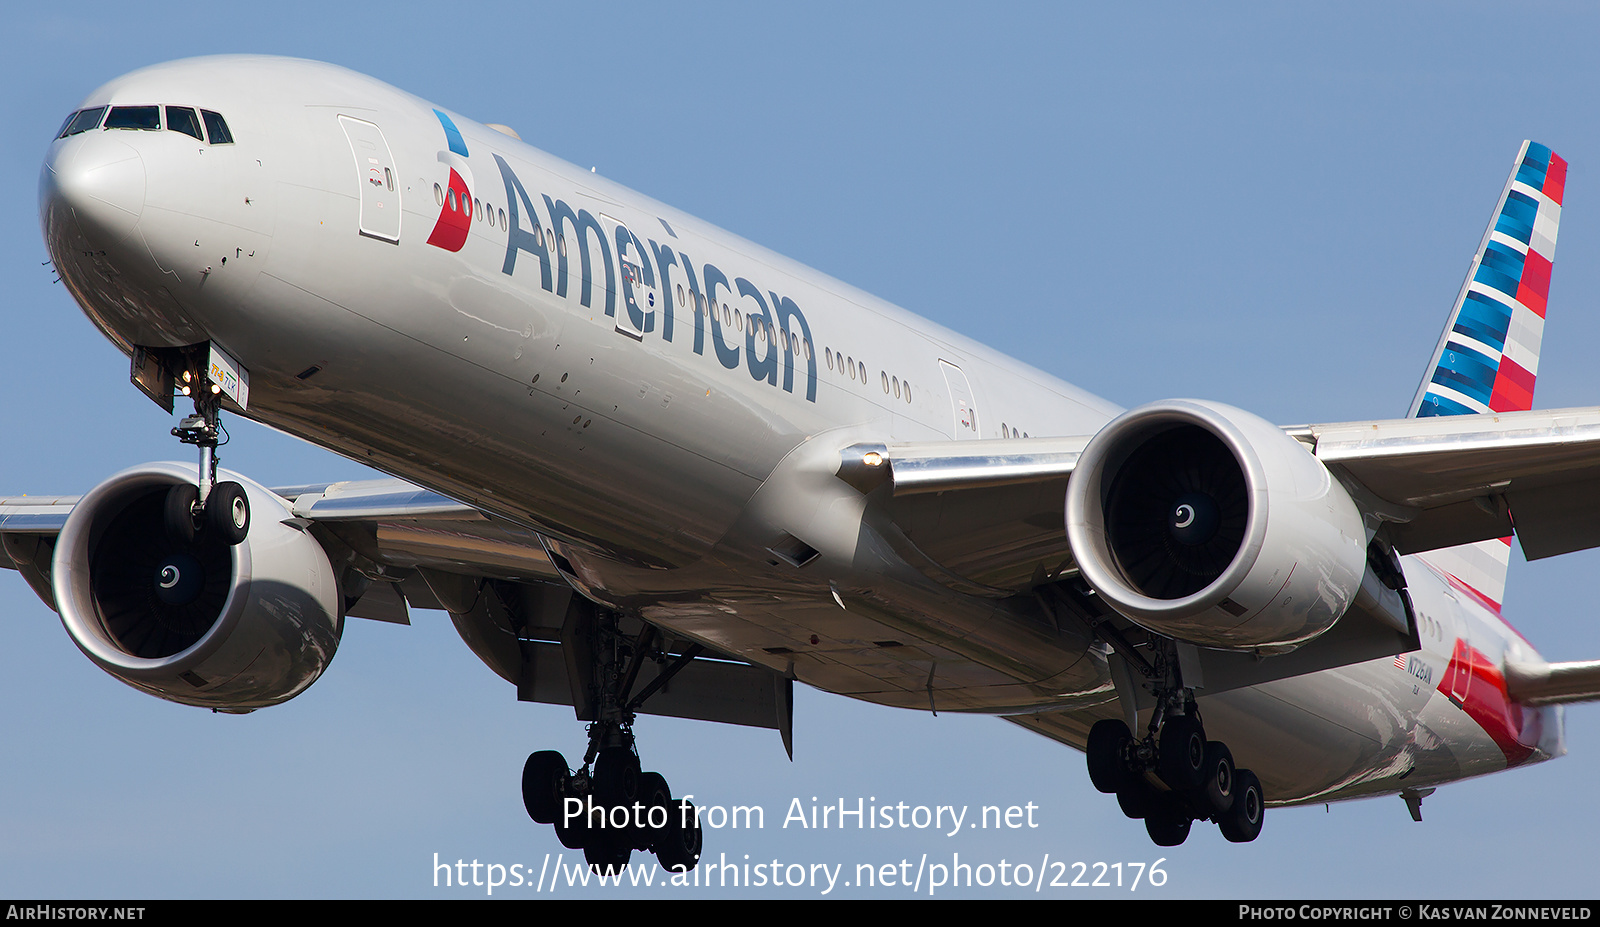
{"x":101,"y":181}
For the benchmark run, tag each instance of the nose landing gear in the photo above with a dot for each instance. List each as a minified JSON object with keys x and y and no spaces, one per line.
{"x":220,"y":511}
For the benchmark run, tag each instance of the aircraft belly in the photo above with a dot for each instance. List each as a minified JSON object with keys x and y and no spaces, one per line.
{"x":1303,"y":749}
{"x":811,"y":639}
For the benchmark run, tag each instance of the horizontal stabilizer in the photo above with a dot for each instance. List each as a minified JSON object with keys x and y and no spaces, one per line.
{"x":1554,"y":683}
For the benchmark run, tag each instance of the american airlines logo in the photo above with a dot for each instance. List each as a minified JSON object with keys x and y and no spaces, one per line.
{"x":776,"y":340}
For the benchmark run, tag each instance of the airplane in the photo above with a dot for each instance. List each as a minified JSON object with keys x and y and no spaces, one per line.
{"x":651,"y":468}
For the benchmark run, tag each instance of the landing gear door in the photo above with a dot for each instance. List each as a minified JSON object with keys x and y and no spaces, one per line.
{"x":962,"y":404}
{"x":380,"y":188}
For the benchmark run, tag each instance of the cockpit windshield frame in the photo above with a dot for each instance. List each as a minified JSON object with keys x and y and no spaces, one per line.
{"x":82,"y":121}
{"x":200,"y":124}
{"x":142,"y":118}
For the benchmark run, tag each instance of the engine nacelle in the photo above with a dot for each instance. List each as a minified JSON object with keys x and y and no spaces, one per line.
{"x":1209,"y":525}
{"x":228,"y":628}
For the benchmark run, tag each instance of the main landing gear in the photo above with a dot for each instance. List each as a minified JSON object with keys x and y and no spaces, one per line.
{"x":609,"y":807}
{"x":1174,"y":777}
{"x":207,"y":510}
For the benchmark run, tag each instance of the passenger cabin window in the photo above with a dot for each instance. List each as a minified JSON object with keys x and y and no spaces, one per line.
{"x":82,"y":121}
{"x":134,"y":117}
{"x":217,"y":128}
{"x":182,"y":119}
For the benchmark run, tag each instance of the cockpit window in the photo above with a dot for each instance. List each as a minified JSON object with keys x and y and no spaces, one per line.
{"x":134,"y":117}
{"x":217,"y":128}
{"x":82,"y":121}
{"x":182,"y":119}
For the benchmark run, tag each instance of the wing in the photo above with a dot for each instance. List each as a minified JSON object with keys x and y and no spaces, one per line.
{"x":989,"y":512}
{"x":394,"y":546}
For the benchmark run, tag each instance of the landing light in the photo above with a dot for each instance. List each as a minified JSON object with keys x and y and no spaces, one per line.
{"x":872,"y":459}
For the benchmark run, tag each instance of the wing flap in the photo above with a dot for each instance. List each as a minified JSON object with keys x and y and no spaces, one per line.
{"x":1458,"y":479}
{"x":986,"y":511}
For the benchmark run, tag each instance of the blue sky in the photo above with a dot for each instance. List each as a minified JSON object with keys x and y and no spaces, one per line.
{"x":1268,"y":205}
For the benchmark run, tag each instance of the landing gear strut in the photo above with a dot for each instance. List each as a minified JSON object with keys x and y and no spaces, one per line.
{"x":1172,"y":776}
{"x":609,"y":807}
{"x":216,"y":510}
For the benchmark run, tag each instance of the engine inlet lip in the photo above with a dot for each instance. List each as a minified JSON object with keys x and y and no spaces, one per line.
{"x":71,"y":578}
{"x":1086,"y":500}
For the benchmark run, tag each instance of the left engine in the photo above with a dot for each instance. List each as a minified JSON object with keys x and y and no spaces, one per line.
{"x":196,"y":621}
{"x":1207,"y":524}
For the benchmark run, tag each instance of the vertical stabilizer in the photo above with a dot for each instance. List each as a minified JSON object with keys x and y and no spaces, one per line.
{"x":1487,"y":358}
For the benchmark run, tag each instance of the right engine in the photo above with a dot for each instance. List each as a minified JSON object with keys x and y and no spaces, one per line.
{"x":196,"y":622}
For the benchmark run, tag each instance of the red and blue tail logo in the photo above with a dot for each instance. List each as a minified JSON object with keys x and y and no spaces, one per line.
{"x":1488,"y":357}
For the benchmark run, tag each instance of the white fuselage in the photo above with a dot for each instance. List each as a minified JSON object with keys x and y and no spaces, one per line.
{"x":545,"y":357}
